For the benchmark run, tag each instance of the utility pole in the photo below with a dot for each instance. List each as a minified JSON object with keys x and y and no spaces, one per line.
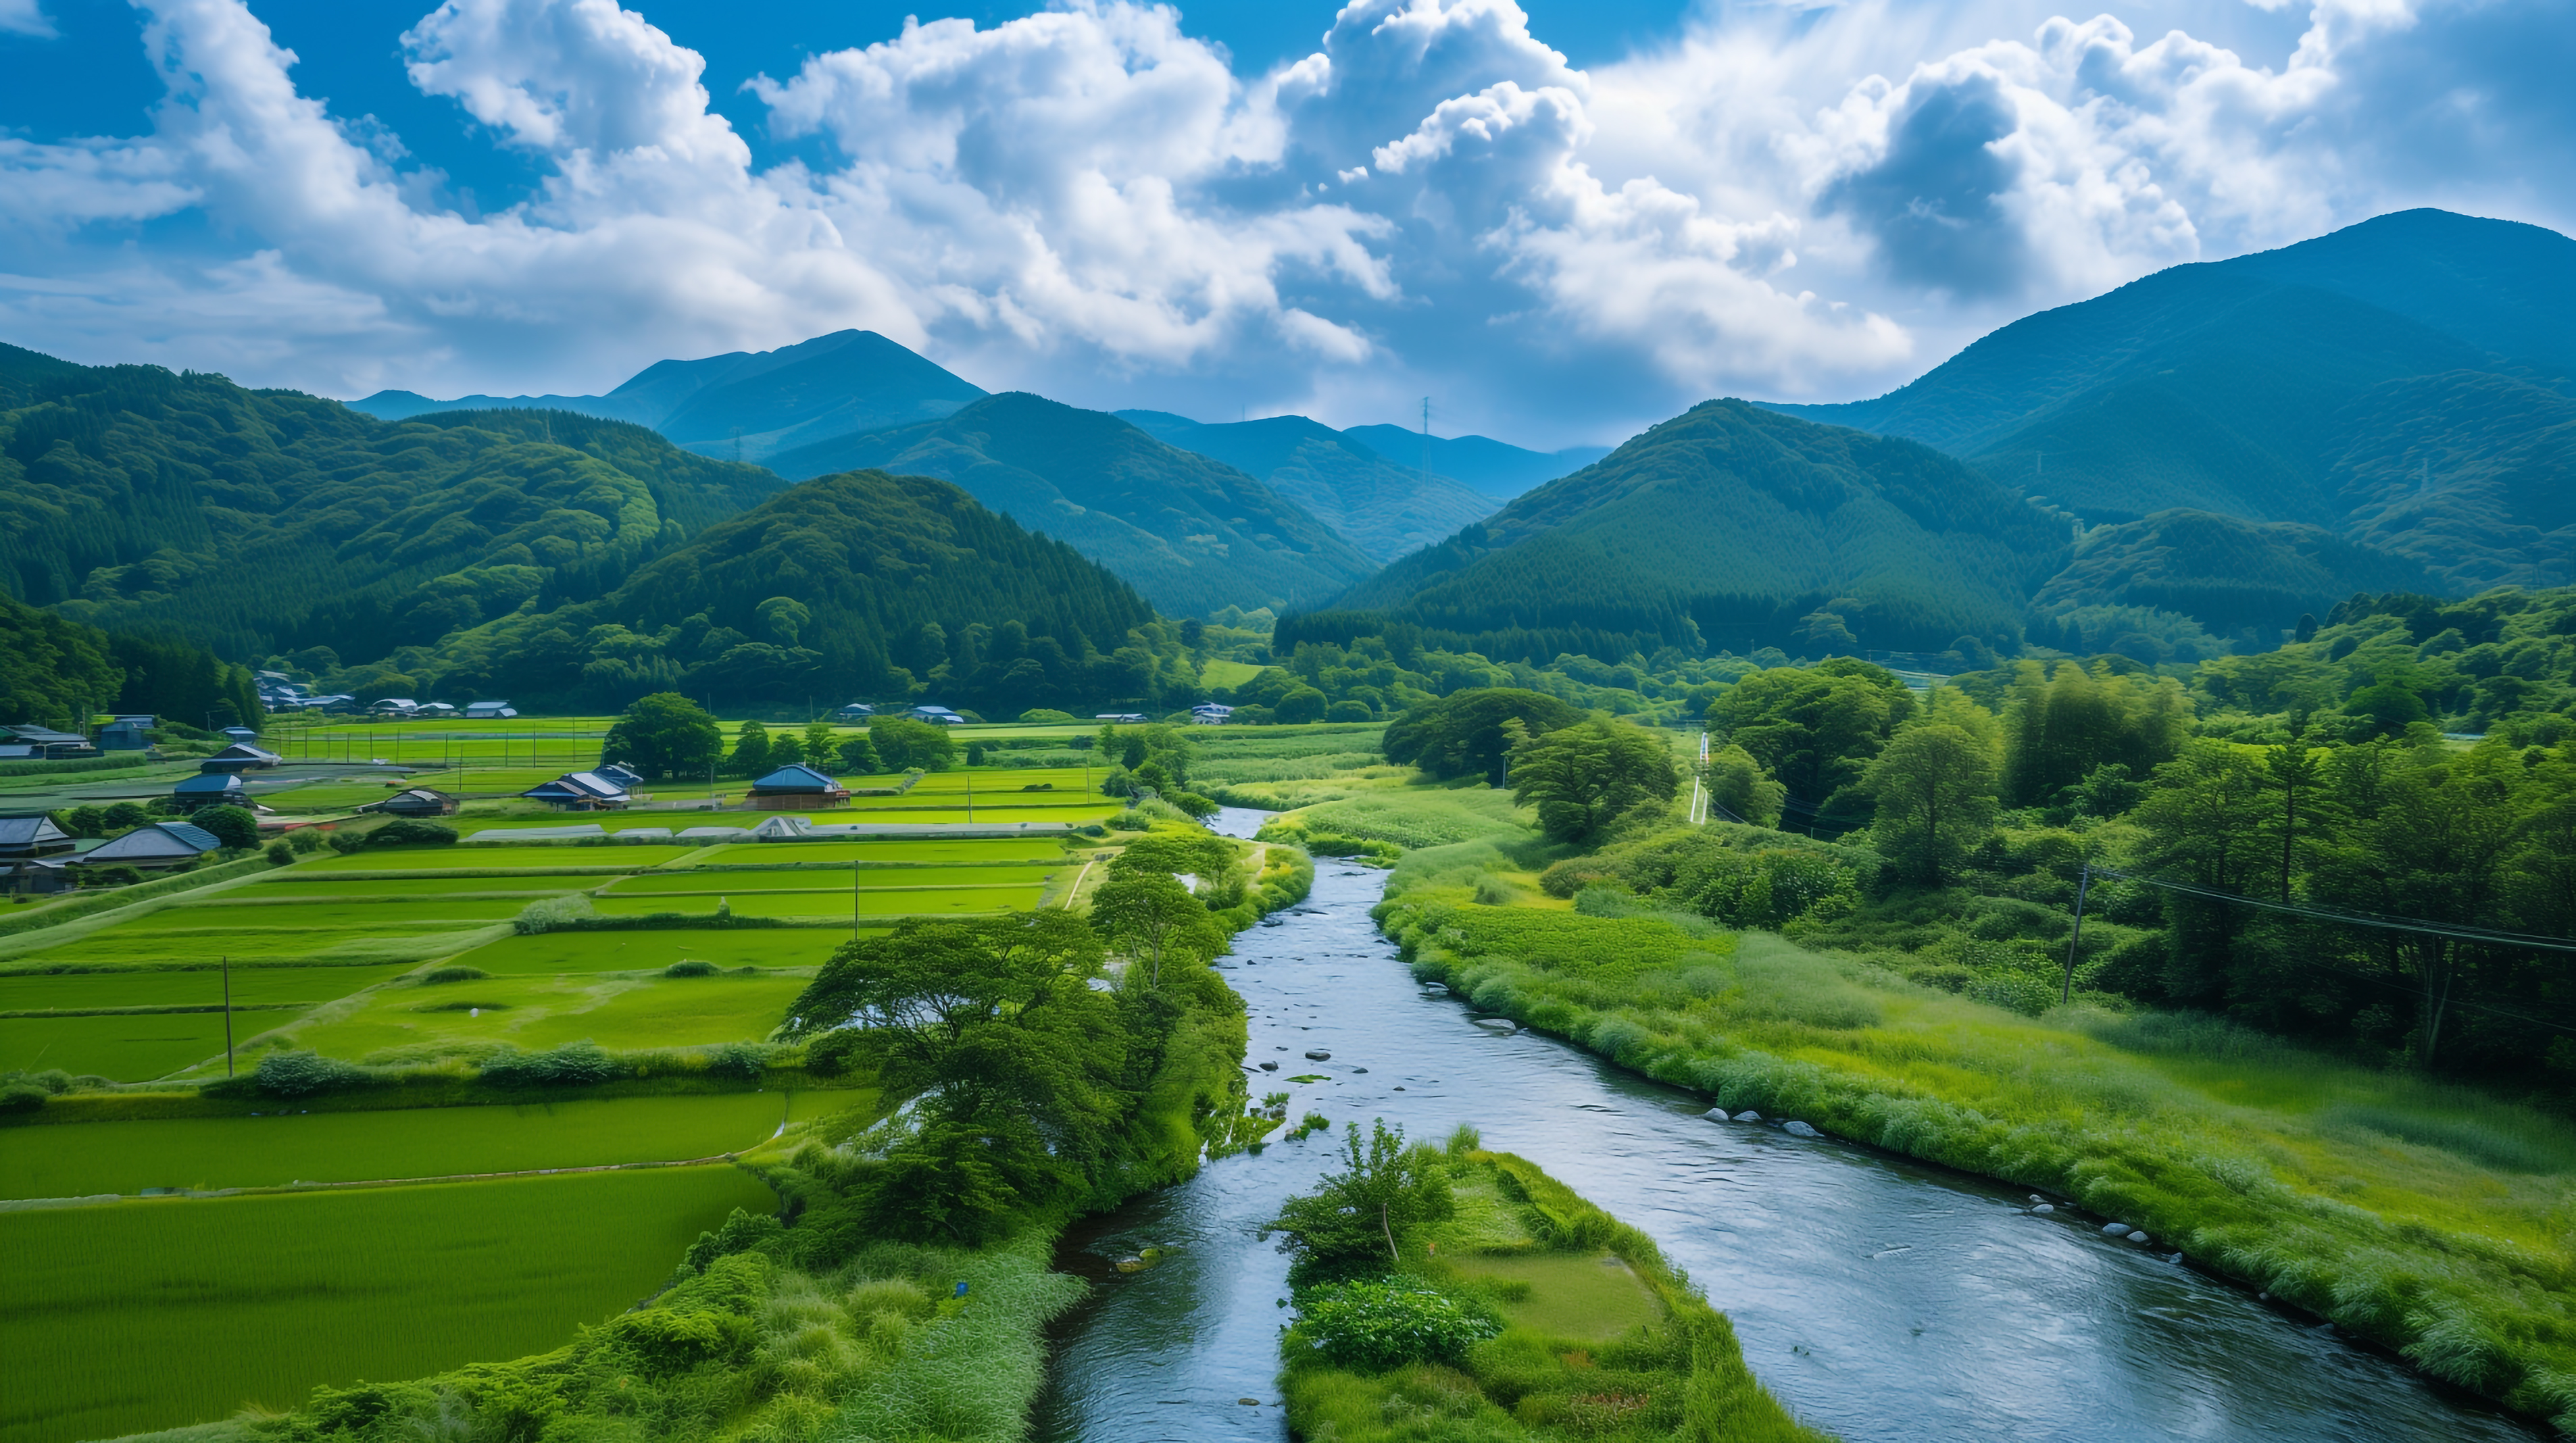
{"x":855,"y":874}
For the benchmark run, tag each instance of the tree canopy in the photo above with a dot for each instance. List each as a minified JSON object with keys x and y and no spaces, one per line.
{"x":1586,"y":778}
{"x":1461,"y":735}
{"x":665,"y":735}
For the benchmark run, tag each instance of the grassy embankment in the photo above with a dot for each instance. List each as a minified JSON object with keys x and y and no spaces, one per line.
{"x":2430,"y":1219}
{"x":1600,"y":1337}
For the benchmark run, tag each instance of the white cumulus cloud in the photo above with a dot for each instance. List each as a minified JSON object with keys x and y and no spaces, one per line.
{"x":1809,"y":202}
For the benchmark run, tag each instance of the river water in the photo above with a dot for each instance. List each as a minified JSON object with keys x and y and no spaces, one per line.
{"x":1880,"y":1299}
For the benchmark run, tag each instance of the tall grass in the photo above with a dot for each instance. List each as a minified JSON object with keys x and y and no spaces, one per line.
{"x":2430,"y":1219}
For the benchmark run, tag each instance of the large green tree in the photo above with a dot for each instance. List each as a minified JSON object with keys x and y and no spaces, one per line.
{"x":1584,"y":779}
{"x":1935,"y":788}
{"x":665,"y":735}
{"x":1462,"y":734}
{"x":903,"y":743}
{"x":1814,"y":728}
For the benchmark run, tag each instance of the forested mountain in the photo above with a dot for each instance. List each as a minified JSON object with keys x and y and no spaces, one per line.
{"x":260,"y":521}
{"x":1384,"y":509}
{"x":1192,"y":534}
{"x":851,"y":585}
{"x":747,"y":405}
{"x":2402,"y":381}
{"x":2227,"y":574}
{"x":1480,"y":463}
{"x":1732,"y":526}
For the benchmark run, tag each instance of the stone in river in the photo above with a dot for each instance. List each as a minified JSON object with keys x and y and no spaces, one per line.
{"x":1318,"y":1055}
{"x":2115,"y":1230}
{"x":1799,"y":1129}
{"x":2043,"y":1208}
{"x":1748,"y":1117}
{"x":1270,"y":1067}
{"x":1359,"y":1069}
{"x":2139,"y":1238}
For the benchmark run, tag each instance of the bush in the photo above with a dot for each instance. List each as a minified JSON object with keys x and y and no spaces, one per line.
{"x":303,"y":1074}
{"x":453,"y":974}
{"x":690,"y":967}
{"x":232,"y":826}
{"x":1045,"y":716}
{"x":304,"y":839}
{"x":575,"y":1064}
{"x":346,"y":842}
{"x":553,"y":914}
{"x":279,"y":854}
{"x":22,"y":1097}
{"x":1347,"y":711}
{"x":737,"y":1059}
{"x":412,"y":832}
{"x":1375,"y":1326}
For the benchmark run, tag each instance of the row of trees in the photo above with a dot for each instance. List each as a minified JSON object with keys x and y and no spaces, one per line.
{"x":58,"y":672}
{"x":670,"y":735}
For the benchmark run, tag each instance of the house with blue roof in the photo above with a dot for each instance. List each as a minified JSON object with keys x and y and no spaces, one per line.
{"x":798,"y":787}
{"x":208,"y":789}
{"x":162,"y":844}
{"x":579,"y":792}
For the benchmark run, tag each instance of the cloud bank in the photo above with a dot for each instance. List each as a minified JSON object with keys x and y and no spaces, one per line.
{"x":1091,"y":202}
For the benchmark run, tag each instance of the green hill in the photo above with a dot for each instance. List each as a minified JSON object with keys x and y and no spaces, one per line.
{"x":1480,"y":463}
{"x":1732,"y":526}
{"x":2229,"y":575}
{"x":851,"y":585}
{"x":258,"y":521}
{"x":747,"y":405}
{"x":2271,"y":386}
{"x":1192,"y":534}
{"x":1383,"y":509}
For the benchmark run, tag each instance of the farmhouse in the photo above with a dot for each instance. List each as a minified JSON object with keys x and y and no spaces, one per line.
{"x":49,"y":743}
{"x":126,"y":734}
{"x":240,"y":757}
{"x":162,"y":844}
{"x":579,"y":792}
{"x":937,"y":716}
{"x":415,"y":802}
{"x":799,"y":787}
{"x":208,"y":788}
{"x":489,"y":710}
{"x":35,"y":836}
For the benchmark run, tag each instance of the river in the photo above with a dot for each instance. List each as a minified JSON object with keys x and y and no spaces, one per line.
{"x":1880,"y":1299}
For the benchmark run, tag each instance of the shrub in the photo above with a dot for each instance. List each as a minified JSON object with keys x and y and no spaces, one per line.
{"x":2019,"y":992}
{"x":303,"y":1074}
{"x":553,"y":914}
{"x":737,"y":1059}
{"x":690,"y":967}
{"x":831,"y":1054}
{"x":22,"y":1097}
{"x":453,"y":974}
{"x":346,"y":842}
{"x":304,"y":839}
{"x":232,"y":826}
{"x":279,"y":854}
{"x":1379,"y":1325}
{"x":412,"y":832}
{"x":1347,"y":711}
{"x":575,"y":1064}
{"x":1493,"y":891}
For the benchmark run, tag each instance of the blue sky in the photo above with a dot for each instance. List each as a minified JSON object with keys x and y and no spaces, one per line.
{"x":1562,"y":221}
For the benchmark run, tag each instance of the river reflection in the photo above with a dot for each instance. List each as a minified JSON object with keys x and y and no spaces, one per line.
{"x":1880,"y":1299}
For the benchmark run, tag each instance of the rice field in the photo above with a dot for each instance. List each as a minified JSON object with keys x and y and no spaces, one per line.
{"x":134,"y":1047}
{"x":293,"y":884}
{"x":194,"y":987}
{"x":872,"y":902}
{"x":233,"y":910}
{"x":159,"y":1313}
{"x":538,"y":1011}
{"x":196,"y":945}
{"x":85,"y":1159}
{"x":1006,"y":849}
{"x":575,"y":952}
{"x":827,"y":879}
{"x":442,"y":859}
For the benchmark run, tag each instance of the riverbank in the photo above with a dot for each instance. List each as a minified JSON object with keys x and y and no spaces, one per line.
{"x":2421,"y":1218}
{"x":1590,"y":1330}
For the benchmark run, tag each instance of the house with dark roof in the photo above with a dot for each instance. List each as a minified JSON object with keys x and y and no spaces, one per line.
{"x":35,"y":877}
{"x":624,"y":776}
{"x":49,"y":743}
{"x":579,"y":792}
{"x":126,"y":734}
{"x":207,"y":789}
{"x":240,"y":734}
{"x":35,"y":836}
{"x":162,"y":844}
{"x":240,"y":757}
{"x":415,"y":802}
{"x":798,"y":787}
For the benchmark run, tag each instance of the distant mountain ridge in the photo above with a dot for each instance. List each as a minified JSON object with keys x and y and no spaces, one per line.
{"x":1383,"y":509}
{"x":751,"y":403}
{"x":1192,"y":533}
{"x":2301,"y":385}
{"x":1480,"y":463}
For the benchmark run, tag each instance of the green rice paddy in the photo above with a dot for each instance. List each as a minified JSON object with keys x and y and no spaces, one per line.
{"x":463,"y":856}
{"x":824,"y":879}
{"x":1012,"y":849}
{"x":233,"y":910}
{"x":872,"y":902}
{"x":575,"y":952}
{"x":536,"y":1012}
{"x":136,"y":1047}
{"x":84,"y":1159}
{"x":154,"y":1314}
{"x":172,"y":987}
{"x":294,"y":885}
